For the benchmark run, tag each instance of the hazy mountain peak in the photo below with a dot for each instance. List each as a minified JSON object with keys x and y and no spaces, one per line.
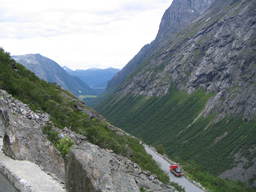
{"x":51,"y":71}
{"x":180,"y":14}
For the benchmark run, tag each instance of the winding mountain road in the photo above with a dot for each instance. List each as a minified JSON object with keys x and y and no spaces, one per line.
{"x":164,"y":165}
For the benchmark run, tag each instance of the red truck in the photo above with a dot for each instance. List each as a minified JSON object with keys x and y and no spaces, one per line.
{"x":176,"y":170}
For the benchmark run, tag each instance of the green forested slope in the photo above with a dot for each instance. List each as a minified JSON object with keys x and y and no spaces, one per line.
{"x":67,"y":111}
{"x":174,"y":120}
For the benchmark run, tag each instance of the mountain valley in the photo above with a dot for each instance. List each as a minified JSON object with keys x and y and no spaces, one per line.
{"x":192,"y":89}
{"x":187,"y":99}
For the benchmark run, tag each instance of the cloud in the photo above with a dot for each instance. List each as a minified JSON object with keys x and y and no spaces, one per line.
{"x":80,"y":33}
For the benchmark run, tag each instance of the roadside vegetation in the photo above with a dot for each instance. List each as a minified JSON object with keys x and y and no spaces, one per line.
{"x":213,"y":183}
{"x":160,"y":149}
{"x":65,"y":111}
{"x":177,"y":187}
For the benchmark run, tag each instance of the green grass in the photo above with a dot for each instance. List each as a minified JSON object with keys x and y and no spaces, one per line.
{"x":67,"y":111}
{"x":160,"y":149}
{"x":155,"y":117}
{"x":213,"y":183}
{"x":218,"y":156}
{"x":143,"y":189}
{"x":177,"y":187}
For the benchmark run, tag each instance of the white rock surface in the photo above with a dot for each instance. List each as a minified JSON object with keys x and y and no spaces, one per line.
{"x":27,"y":176}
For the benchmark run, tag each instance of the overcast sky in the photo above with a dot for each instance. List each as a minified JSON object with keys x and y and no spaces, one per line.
{"x":80,"y":34}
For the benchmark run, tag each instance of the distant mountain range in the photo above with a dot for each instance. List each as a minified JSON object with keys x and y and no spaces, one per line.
{"x":51,"y":71}
{"x":79,"y":82}
{"x":95,"y":78}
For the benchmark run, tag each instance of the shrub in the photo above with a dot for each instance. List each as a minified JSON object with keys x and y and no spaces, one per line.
{"x":64,"y":145}
{"x":177,"y":187}
{"x":160,"y":149}
{"x":211,"y":182}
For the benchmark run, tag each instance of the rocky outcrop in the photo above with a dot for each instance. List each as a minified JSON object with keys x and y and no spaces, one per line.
{"x":179,"y":15}
{"x":92,"y":169}
{"x":25,"y":176}
{"x":216,"y":54}
{"x":23,"y":138}
{"x":244,"y":170}
{"x":129,"y":68}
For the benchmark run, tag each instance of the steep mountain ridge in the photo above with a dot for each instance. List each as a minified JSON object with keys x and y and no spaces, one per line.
{"x":129,"y":68}
{"x":176,"y":17}
{"x":215,"y":55}
{"x":196,"y":93}
{"x":179,"y":15}
{"x":52,"y":72}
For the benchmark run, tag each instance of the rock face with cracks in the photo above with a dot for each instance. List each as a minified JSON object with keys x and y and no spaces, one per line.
{"x":23,"y":138}
{"x":215,"y":53}
{"x":92,"y":169}
{"x":178,"y":16}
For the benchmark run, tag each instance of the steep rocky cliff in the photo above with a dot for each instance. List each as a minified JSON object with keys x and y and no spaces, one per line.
{"x":90,"y":168}
{"x":216,"y":53}
{"x":179,"y":15}
{"x":23,"y":138}
{"x":195,"y":92}
{"x":176,"y":17}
